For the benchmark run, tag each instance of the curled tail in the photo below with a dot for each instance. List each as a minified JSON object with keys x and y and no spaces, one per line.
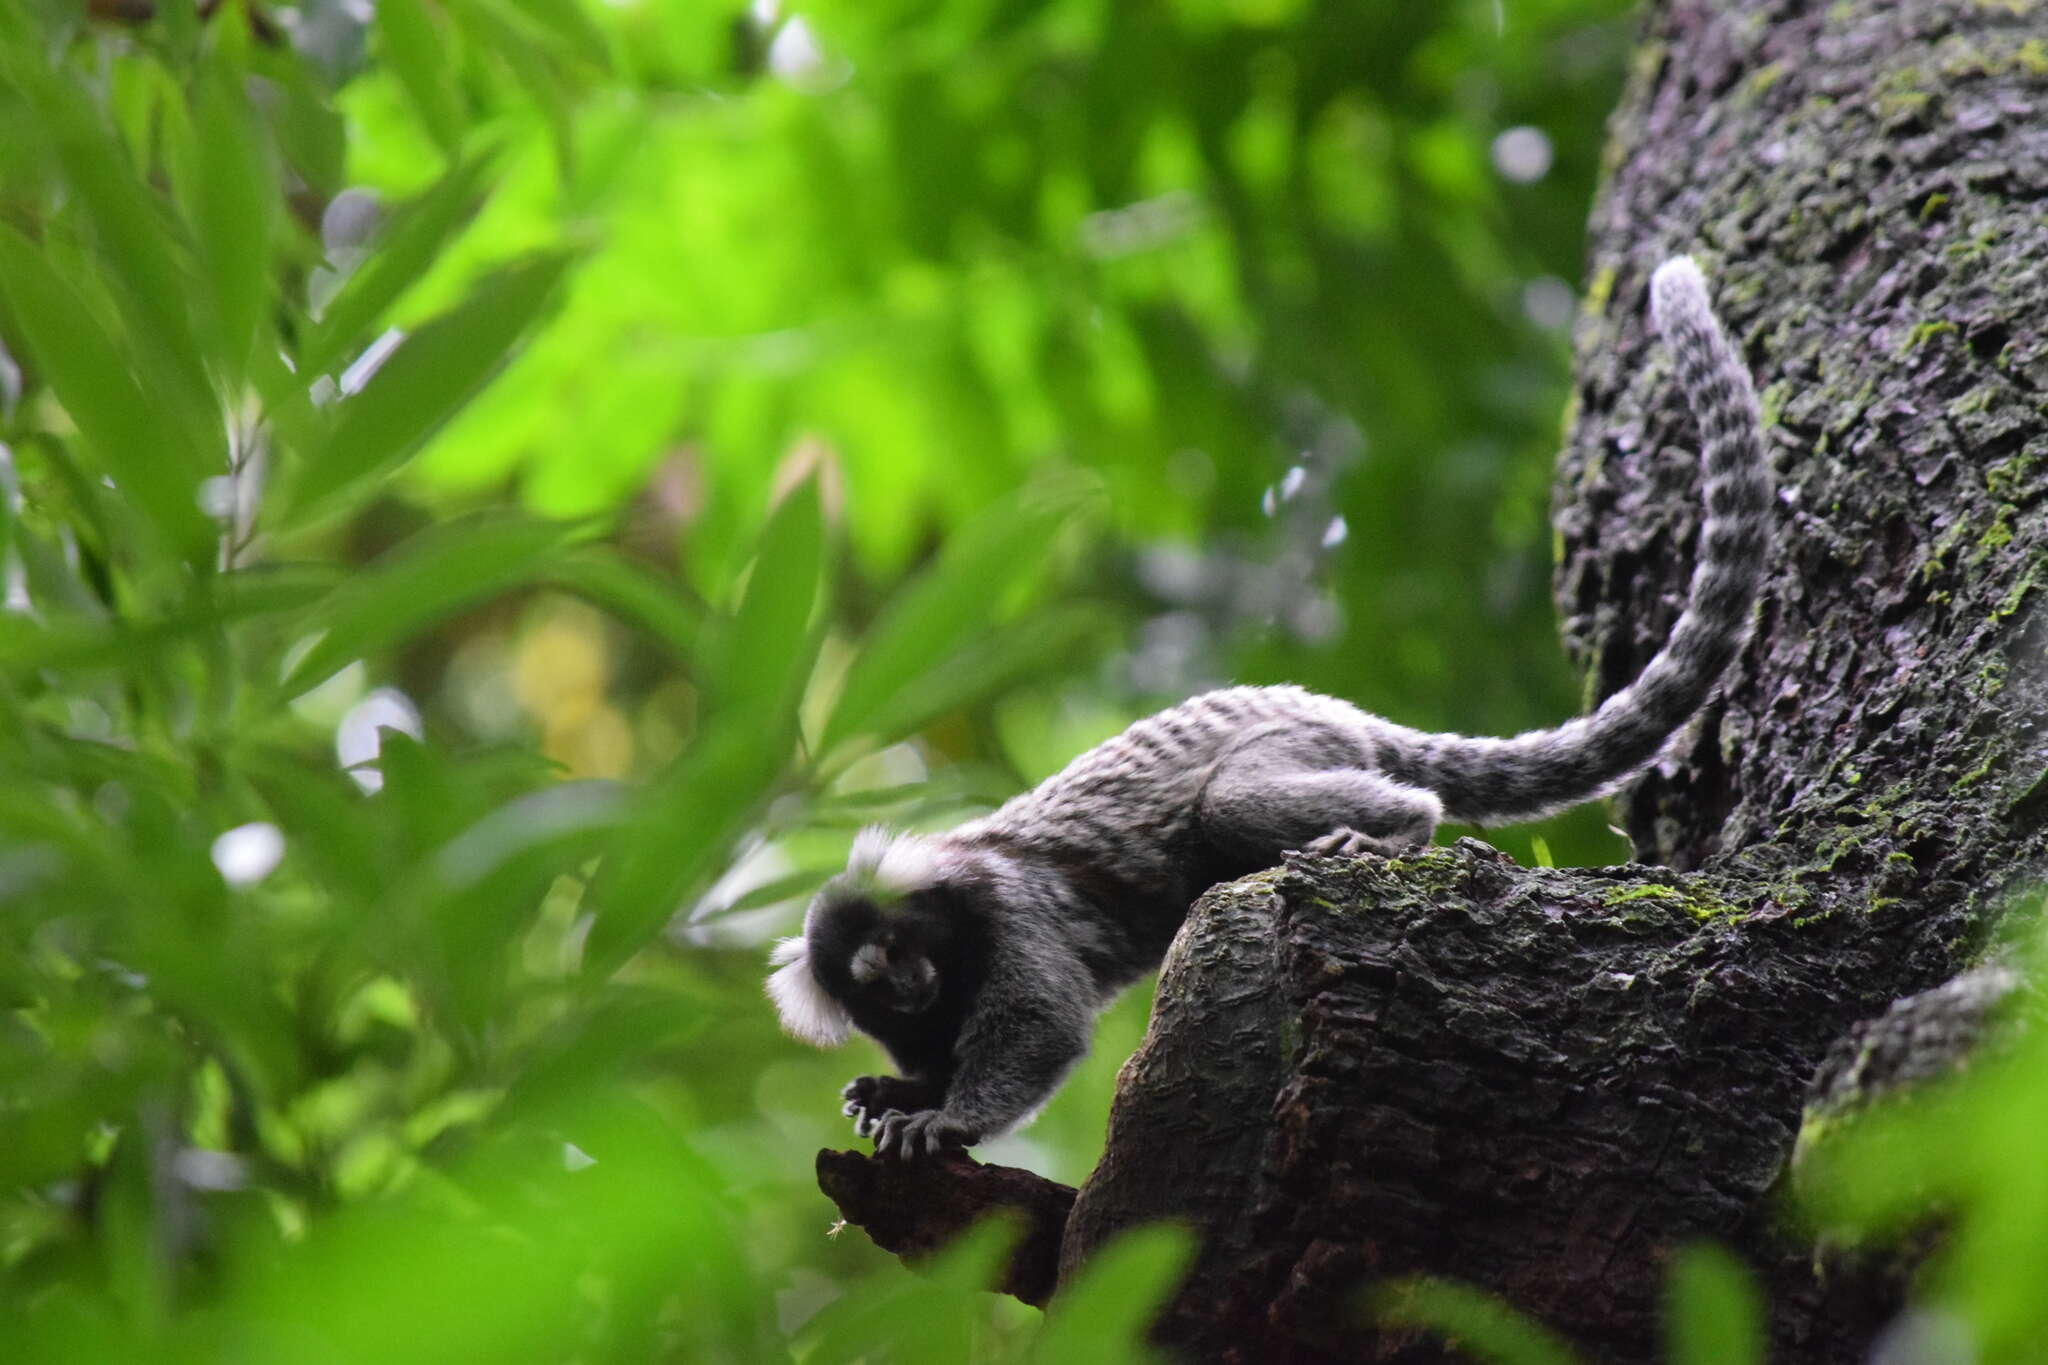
{"x":1502,"y":780}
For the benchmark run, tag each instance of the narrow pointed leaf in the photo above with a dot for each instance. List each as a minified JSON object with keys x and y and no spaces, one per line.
{"x":711,"y":793}
{"x":1484,"y":1328}
{"x":527,"y":59}
{"x":430,"y":577}
{"x":148,"y":458}
{"x":686,"y":824}
{"x":424,"y":383}
{"x":1712,"y":1314}
{"x":566,"y":20}
{"x":1105,"y":1314}
{"x":414,"y":239}
{"x":947,"y":604}
{"x":797,"y":884}
{"x":605,"y":578}
{"x":417,"y":51}
{"x":151,"y":283}
{"x":978,"y":668}
{"x":770,"y":642}
{"x":235,"y":212}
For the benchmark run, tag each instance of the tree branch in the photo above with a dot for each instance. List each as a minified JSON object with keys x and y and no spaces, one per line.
{"x":915,"y":1208}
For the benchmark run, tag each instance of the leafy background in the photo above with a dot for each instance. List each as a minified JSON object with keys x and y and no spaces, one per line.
{"x":493,"y":495}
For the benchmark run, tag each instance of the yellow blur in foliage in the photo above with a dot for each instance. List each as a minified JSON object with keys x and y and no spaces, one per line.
{"x":561,"y":674}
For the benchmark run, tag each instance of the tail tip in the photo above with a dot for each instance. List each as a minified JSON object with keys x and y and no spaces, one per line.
{"x":1678,"y":288}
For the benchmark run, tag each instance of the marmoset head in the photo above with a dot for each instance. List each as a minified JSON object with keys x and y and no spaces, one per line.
{"x":873,"y":942}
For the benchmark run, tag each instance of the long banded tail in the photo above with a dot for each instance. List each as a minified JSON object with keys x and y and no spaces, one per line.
{"x":1535,"y":774}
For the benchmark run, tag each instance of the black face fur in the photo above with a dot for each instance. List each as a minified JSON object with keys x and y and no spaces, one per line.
{"x":906,"y":971}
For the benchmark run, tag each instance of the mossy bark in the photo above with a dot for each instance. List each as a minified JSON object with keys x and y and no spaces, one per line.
{"x":1547,"y":1082}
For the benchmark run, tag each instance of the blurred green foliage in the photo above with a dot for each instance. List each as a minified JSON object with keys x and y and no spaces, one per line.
{"x":1954,"y":1167}
{"x":493,"y":494}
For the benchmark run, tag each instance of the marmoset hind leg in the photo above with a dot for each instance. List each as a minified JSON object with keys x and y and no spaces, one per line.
{"x":1265,"y":800}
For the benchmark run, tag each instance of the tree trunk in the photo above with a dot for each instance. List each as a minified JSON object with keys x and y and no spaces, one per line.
{"x":1546,"y":1082}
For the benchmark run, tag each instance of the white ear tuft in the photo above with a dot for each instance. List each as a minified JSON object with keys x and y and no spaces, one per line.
{"x":807,"y":1011}
{"x":893,"y":862}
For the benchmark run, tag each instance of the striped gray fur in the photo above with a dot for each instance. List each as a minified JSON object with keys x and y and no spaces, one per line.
{"x":1037,"y":914}
{"x":1502,"y":780}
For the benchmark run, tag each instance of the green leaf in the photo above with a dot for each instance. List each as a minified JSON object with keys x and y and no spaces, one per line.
{"x":1104,"y":1315}
{"x":605,"y":578}
{"x":297,"y":422}
{"x":424,"y":383}
{"x":592,"y":1046}
{"x":527,"y":60}
{"x":760,"y":664}
{"x":330,"y":831}
{"x":769,"y":644}
{"x":266,"y":589}
{"x":440,"y":571}
{"x":429,"y":577}
{"x":921,"y":1321}
{"x":566,"y":20}
{"x":151,"y":286}
{"x":715,"y":789}
{"x":55,"y":583}
{"x":949,"y":603}
{"x":492,"y":1255}
{"x":416,"y":50}
{"x":138,"y":648}
{"x":485,"y":887}
{"x":234,"y":215}
{"x":1476,"y":1322}
{"x":565,"y":813}
{"x":979,"y":668}
{"x":416,"y":237}
{"x":798,"y":884}
{"x":138,"y":1262}
{"x":686,"y":827}
{"x":147,"y":457}
{"x":1713,"y":1315}
{"x":310,"y":132}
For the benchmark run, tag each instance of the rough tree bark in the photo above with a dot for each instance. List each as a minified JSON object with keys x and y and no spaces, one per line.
{"x":1545,"y":1082}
